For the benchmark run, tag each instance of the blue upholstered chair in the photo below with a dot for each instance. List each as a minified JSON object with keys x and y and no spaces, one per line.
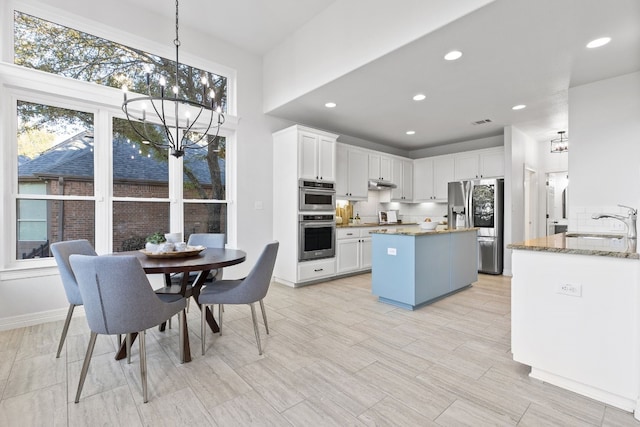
{"x":118,"y":299}
{"x":61,"y":252}
{"x":249,"y":290}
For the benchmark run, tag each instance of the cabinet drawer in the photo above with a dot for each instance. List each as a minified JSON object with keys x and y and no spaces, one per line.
{"x":347,"y":233}
{"x":312,"y":270}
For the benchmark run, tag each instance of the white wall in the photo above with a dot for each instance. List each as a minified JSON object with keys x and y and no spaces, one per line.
{"x":28,"y":300}
{"x":520,"y":152}
{"x":604,"y":164}
{"x":346,"y":36}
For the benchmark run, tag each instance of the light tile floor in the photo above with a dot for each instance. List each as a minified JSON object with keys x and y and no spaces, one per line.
{"x":335,"y":356}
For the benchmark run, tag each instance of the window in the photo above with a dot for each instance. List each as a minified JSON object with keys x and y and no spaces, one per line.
{"x":55,"y":169}
{"x":56,"y":49}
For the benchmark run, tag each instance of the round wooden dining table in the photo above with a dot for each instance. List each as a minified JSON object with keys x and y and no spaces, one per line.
{"x":203,"y":262}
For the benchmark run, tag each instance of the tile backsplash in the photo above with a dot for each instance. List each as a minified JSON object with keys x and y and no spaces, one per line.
{"x":580,"y":219}
{"x":407,"y":212}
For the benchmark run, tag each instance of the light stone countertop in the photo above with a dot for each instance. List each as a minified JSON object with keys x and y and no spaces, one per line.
{"x":374,"y":224}
{"x":589,"y":244}
{"x":417,"y":231}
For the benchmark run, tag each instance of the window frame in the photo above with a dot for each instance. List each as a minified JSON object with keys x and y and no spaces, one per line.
{"x":104,"y":102}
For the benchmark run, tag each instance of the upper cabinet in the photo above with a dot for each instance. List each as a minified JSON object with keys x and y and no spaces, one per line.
{"x":479,"y":164}
{"x":351,"y":173}
{"x":316,"y":155}
{"x":402,"y":176}
{"x":380,"y":167}
{"x":431,"y":178}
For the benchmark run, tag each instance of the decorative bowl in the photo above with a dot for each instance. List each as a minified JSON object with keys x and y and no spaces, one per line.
{"x":428,"y":225}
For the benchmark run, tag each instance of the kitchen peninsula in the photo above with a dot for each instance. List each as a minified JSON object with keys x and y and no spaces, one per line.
{"x":411,"y":267}
{"x":575,"y":314}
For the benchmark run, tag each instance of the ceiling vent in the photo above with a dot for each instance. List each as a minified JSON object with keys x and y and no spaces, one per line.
{"x":481,"y":122}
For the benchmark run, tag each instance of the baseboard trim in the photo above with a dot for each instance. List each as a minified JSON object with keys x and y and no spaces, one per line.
{"x":31,"y":319}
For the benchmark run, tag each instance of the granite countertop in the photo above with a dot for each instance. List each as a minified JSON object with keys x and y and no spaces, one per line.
{"x":374,"y":224}
{"x":586,"y":244}
{"x":417,"y":231}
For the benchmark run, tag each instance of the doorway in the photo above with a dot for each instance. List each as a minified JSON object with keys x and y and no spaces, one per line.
{"x":557,"y":191}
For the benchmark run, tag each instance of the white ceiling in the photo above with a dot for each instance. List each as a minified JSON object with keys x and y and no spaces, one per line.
{"x":514,"y":52}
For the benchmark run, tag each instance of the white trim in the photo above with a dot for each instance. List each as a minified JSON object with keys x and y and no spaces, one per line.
{"x":37,"y":318}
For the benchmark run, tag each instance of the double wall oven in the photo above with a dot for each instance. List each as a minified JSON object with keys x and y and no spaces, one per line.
{"x":316,"y":220}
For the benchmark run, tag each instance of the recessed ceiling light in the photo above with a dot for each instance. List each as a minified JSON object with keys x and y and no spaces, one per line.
{"x":518,"y":107}
{"x":453,"y":55}
{"x":598,"y":42}
{"x":330,"y":105}
{"x":411,"y":132}
{"x":419,"y":97}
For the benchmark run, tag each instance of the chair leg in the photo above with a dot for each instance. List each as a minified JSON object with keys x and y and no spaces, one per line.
{"x":220,"y":311}
{"x":65,"y":329}
{"x":187,"y":305}
{"x":128,"y":342}
{"x":143,"y":365}
{"x":203,"y":326}
{"x":264,"y":316}
{"x":182,"y":319}
{"x":255,"y":327}
{"x":85,"y":365}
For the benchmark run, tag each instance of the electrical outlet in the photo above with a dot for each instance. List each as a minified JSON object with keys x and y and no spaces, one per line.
{"x":569,"y":289}
{"x":391,"y":251}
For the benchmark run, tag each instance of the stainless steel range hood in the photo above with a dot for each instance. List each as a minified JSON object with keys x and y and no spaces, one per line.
{"x":377,"y":185}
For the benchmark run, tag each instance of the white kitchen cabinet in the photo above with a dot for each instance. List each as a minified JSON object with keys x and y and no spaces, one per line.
{"x":351,"y":173}
{"x":402,"y":172}
{"x":379,"y":167}
{"x":316,"y":156}
{"x":479,"y":164}
{"x":431,"y":178}
{"x":353,"y":249}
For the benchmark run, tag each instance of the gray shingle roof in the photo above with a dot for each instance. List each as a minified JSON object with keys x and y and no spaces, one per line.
{"x":73,"y":158}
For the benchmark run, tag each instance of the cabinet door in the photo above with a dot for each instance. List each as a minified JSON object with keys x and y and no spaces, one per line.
{"x":342,"y":172}
{"x":307,"y":156}
{"x":397,"y":178}
{"x":326,"y":159}
{"x":423,"y":180}
{"x":492,"y":163}
{"x":374,"y":166}
{"x":385,"y":168}
{"x":443,"y":167}
{"x":407,"y":180}
{"x":466,"y":166}
{"x":347,"y":255}
{"x":357,"y":180}
{"x":365,"y":253}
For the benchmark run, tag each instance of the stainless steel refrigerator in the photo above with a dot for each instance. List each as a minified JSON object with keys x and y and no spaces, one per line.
{"x":480,"y":203}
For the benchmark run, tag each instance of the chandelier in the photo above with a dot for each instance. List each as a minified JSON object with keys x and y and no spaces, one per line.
{"x":561,"y":144}
{"x":174,"y":111}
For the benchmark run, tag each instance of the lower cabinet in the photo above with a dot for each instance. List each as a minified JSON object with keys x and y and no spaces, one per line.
{"x":353,"y":250}
{"x":315,"y":270}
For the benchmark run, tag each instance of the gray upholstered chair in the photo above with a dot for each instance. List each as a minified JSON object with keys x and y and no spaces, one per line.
{"x":61,"y":252}
{"x":249,"y":290}
{"x":118,"y":299}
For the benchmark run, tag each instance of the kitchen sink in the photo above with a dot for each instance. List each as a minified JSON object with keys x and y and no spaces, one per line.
{"x":595,"y":236}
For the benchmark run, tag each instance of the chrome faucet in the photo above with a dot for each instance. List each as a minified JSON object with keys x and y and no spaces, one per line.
{"x":629,"y":220}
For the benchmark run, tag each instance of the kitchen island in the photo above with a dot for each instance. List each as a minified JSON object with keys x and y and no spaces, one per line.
{"x":575,"y":314}
{"x":412,"y":268}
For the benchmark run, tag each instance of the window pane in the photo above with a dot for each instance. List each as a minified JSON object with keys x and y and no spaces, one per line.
{"x":42,"y":222}
{"x":139,"y":170}
{"x":55,"y":149}
{"x":205,"y":218}
{"x":134,"y":221}
{"x":56,"y":49}
{"x":204,"y":169}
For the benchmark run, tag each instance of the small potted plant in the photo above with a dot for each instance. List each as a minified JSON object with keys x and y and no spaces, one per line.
{"x":155,"y":242}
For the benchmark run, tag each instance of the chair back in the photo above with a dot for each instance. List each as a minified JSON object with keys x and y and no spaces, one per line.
{"x":61,"y":252}
{"x":117,"y":295}
{"x":256,"y":284}
{"x":209,"y":240}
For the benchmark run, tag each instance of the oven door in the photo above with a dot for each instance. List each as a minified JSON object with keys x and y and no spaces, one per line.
{"x":316,"y":240}
{"x":317,"y":199}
